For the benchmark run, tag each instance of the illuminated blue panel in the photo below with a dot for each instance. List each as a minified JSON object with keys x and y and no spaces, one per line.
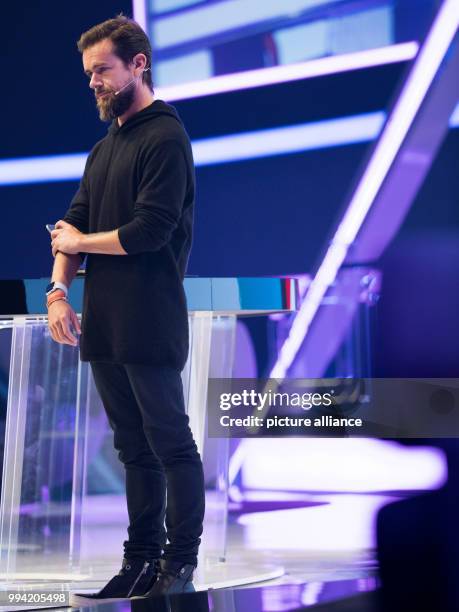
{"x":363,"y":30}
{"x":190,"y":67}
{"x":302,"y":42}
{"x":219,"y":17}
{"x":299,"y":29}
{"x":202,"y":294}
{"x":347,"y":34}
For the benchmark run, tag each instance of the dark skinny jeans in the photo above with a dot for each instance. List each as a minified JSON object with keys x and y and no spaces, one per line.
{"x":164,"y":474}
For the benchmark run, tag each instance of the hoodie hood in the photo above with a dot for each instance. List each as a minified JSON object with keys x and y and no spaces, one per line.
{"x":155,"y":109}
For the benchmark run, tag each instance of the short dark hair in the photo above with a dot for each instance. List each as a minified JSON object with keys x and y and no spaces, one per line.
{"x":127,"y":37}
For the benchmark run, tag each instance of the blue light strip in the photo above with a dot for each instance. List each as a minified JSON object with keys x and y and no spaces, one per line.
{"x":250,"y":79}
{"x":224,"y":149}
{"x":211,"y":151}
{"x":42,"y":169}
{"x":290,"y":139}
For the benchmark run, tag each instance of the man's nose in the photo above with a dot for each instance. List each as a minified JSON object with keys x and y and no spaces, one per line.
{"x":95,"y":81}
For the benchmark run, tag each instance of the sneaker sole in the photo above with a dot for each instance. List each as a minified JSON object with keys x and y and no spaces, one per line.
{"x":189,"y":588}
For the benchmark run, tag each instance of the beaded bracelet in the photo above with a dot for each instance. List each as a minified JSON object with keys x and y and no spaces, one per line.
{"x":56,"y":296}
{"x":64,"y":299}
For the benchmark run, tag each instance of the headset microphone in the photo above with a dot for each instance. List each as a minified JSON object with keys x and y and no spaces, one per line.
{"x":129,"y":82}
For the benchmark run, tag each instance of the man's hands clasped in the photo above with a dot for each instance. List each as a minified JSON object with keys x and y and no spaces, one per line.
{"x":65,"y":238}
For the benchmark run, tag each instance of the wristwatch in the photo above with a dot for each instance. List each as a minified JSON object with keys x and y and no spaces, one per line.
{"x":56,"y":285}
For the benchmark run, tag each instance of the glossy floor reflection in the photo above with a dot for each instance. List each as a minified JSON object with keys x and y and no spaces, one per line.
{"x":281,"y":598}
{"x":323,"y":549}
{"x":327,"y":537}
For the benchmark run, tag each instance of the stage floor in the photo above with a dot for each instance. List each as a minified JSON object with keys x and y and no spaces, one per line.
{"x":306,"y":541}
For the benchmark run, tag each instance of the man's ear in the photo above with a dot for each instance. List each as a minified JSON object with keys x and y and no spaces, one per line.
{"x":140,"y":61}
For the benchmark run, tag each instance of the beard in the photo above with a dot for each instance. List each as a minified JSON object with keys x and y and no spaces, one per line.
{"x":111,"y":106}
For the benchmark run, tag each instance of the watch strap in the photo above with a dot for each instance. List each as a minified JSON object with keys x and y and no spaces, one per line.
{"x":54,"y":285}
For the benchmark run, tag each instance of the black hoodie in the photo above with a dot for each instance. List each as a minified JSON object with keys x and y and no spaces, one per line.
{"x":138,"y":179}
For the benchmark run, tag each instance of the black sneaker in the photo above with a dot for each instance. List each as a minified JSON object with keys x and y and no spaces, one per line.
{"x":135,"y":577}
{"x":173,"y":577}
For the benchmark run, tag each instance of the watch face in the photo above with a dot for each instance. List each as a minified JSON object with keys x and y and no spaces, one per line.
{"x":49,"y":287}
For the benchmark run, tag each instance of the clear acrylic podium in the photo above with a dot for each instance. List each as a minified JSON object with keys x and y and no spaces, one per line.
{"x":51,"y":526}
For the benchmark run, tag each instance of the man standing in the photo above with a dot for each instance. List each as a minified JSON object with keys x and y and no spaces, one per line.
{"x":133,"y":217}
